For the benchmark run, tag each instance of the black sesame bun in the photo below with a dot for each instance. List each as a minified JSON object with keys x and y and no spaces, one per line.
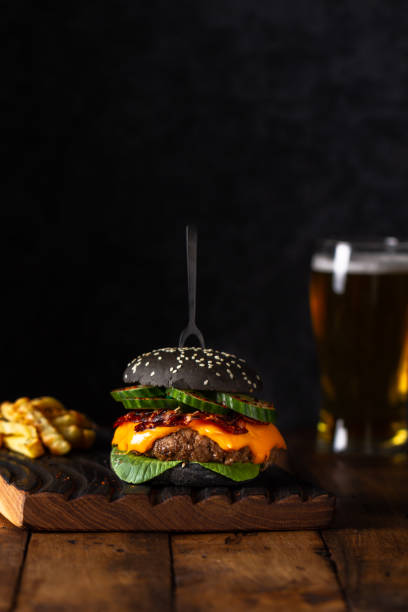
{"x":195,"y":475}
{"x":193,"y":368}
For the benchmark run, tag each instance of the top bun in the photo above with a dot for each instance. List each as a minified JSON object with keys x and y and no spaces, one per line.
{"x":193,"y":368}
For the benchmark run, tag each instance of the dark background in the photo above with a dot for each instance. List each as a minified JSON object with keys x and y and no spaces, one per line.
{"x":270,"y":124}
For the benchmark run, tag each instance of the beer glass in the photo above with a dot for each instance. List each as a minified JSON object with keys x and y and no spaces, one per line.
{"x":359,"y":313}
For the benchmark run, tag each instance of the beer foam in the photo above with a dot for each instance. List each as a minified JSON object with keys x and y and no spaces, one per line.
{"x":365,"y":263}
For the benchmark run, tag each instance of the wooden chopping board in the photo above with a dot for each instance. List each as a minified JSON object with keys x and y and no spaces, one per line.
{"x":79,"y":492}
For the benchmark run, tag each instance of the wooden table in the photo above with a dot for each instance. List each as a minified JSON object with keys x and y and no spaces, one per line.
{"x":360,"y":563}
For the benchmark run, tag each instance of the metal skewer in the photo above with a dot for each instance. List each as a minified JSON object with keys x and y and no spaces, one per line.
{"x":191,"y":248}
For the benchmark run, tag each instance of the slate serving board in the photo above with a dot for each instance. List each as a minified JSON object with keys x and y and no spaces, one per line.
{"x":79,"y":492}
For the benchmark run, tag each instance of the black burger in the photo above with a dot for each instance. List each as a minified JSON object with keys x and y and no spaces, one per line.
{"x":194,"y":420}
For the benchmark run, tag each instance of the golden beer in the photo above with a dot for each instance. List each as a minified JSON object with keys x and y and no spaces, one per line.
{"x":359,"y":312}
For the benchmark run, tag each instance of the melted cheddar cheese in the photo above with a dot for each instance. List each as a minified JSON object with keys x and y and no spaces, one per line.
{"x":260,"y":438}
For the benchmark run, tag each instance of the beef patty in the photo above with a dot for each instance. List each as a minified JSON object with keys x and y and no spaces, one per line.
{"x":188,"y":445}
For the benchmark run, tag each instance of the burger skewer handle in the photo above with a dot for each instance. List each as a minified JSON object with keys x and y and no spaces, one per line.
{"x":191,"y":248}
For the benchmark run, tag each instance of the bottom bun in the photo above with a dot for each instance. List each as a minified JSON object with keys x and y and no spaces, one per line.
{"x":195,"y":475}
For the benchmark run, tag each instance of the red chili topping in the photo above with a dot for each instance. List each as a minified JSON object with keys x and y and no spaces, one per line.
{"x":148,"y":419}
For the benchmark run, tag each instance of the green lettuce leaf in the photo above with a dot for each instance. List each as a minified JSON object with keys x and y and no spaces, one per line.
{"x":138,"y":468}
{"x":235,"y":471}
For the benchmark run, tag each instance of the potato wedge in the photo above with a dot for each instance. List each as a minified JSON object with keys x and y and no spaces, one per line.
{"x":23,"y":412}
{"x":72,"y":433}
{"x":30,"y":447}
{"x":50,"y":407}
{"x":44,"y":419}
{"x":17,"y":429}
{"x":10,"y":412}
{"x":19,"y":412}
{"x":50,"y":436}
{"x":63,"y":420}
{"x":80,"y":419}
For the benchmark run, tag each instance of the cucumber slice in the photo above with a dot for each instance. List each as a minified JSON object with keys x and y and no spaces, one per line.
{"x":150,"y":403}
{"x":261,"y":411}
{"x":135,"y":392}
{"x":197,"y":400}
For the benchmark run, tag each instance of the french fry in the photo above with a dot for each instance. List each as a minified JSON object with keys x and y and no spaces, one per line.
{"x":11,"y":412}
{"x":72,"y":417}
{"x":50,"y":436}
{"x":17,"y":429}
{"x":19,"y":412}
{"x":30,"y":424}
{"x":64,"y":420}
{"x":48,"y":406}
{"x":80,"y":419}
{"x":72,"y":433}
{"x":22,"y":411}
{"x":31,"y":447}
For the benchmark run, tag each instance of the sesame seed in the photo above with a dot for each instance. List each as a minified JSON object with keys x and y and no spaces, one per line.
{"x":159,"y":358}
{"x":206,"y":382}
{"x":151,"y":373}
{"x":217,"y":374}
{"x":171,"y":369}
{"x":147,"y":363}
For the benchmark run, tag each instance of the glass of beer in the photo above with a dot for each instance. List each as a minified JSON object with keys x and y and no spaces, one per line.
{"x":359,"y":312}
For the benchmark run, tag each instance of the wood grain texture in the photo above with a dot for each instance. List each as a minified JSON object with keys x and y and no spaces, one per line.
{"x":81,"y":493}
{"x":372,"y":565}
{"x":369,"y":543}
{"x":370,"y":552}
{"x":4,"y":523}
{"x":96,"y":572}
{"x":264,"y":571}
{"x":369,"y":490}
{"x":12,"y":547}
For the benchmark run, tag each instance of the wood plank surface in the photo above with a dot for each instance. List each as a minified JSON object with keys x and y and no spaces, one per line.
{"x":369,"y":542}
{"x":372,"y":566}
{"x":12,"y":547}
{"x":258,"y":571}
{"x":96,"y":572}
{"x":369,"y":490}
{"x":4,"y":523}
{"x":370,"y":551}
